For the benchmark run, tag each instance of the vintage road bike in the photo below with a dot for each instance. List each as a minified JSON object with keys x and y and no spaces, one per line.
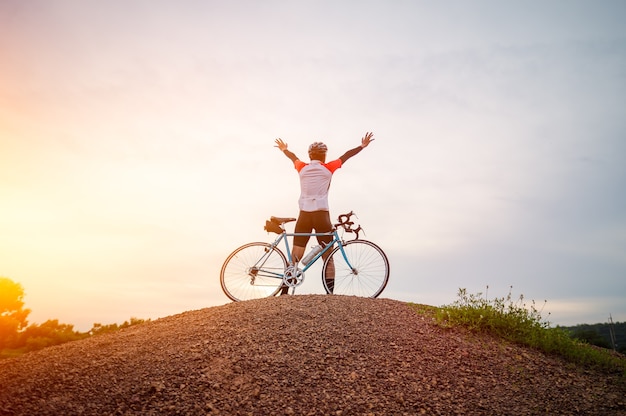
{"x":355,"y":268}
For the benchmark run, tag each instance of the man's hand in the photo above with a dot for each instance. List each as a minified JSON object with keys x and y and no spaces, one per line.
{"x":366,"y":140}
{"x":281,"y":145}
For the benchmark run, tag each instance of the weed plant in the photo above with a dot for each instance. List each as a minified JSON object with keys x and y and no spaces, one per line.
{"x":514,"y":321}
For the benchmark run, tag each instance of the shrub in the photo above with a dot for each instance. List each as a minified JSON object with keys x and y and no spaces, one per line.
{"x":514,"y":321}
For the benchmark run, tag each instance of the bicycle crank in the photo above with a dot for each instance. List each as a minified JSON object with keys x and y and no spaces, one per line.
{"x":293,"y":276}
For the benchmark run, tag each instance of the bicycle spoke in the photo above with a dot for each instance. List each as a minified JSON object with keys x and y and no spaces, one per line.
{"x":368,"y":275}
{"x":253,"y":271}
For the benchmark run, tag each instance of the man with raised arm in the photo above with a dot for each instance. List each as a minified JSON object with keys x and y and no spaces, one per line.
{"x":315,"y":178}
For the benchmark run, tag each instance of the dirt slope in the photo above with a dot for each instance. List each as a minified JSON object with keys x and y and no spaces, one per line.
{"x":310,"y":354}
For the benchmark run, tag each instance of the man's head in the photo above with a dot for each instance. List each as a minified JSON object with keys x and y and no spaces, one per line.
{"x":317,"y":151}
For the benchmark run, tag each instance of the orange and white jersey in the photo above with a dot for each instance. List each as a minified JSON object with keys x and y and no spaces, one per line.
{"x":315,"y":180}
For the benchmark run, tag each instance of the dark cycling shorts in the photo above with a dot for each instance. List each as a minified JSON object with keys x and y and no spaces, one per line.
{"x":309,"y":221}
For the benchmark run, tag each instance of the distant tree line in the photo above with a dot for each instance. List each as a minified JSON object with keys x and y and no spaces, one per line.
{"x":17,"y":337}
{"x":600,"y":335}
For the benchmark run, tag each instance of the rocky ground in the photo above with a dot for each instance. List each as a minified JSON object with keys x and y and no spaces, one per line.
{"x":301,"y":355}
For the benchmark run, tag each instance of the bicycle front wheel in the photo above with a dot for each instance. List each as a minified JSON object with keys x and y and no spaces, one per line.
{"x":253,"y":271}
{"x":365,"y":273}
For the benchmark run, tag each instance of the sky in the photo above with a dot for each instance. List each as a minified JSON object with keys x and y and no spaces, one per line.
{"x":137,"y":147}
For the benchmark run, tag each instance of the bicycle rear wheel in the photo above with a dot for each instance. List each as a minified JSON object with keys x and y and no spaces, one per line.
{"x":366,"y":274}
{"x":253,"y":271}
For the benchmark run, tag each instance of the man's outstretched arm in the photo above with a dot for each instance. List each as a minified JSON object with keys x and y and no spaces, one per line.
{"x":282,"y":146}
{"x":365,"y":141}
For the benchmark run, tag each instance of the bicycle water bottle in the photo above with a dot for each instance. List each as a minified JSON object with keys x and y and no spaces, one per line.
{"x":314,"y":252}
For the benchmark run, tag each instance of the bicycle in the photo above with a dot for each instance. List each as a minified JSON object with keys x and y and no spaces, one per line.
{"x":257,"y":270}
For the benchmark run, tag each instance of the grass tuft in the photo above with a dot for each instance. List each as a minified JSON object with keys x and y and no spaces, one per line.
{"x":515,"y":321}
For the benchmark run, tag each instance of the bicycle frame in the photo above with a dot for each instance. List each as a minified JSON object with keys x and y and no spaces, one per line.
{"x":336,"y":240}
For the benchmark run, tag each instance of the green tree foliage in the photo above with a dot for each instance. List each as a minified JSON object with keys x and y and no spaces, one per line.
{"x":99,"y":329}
{"x":12,"y":313}
{"x":51,"y":332}
{"x":17,"y":338}
{"x":600,"y":334}
{"x":591,"y":337}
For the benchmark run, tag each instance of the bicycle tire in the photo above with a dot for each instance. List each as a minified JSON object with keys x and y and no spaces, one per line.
{"x":369,"y":275}
{"x":242,"y":278}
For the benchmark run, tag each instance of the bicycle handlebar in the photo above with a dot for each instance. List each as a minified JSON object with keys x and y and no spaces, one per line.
{"x":346,"y":224}
{"x":345,"y":218}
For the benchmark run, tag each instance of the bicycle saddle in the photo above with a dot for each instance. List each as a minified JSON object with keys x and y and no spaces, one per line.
{"x":281,"y":220}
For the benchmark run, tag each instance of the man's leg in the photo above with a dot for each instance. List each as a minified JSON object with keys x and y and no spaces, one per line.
{"x":304,"y":225}
{"x":296,"y":255}
{"x":330,"y":272}
{"x":323,"y":225}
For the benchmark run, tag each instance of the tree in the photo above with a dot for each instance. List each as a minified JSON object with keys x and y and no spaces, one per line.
{"x":590,"y":335}
{"x":51,"y":332}
{"x":12,"y":313}
{"x":99,"y":329}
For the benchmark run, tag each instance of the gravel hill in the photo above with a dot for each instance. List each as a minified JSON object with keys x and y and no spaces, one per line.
{"x":301,"y":355}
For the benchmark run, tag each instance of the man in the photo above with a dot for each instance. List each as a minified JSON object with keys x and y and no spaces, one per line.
{"x":315,"y":178}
